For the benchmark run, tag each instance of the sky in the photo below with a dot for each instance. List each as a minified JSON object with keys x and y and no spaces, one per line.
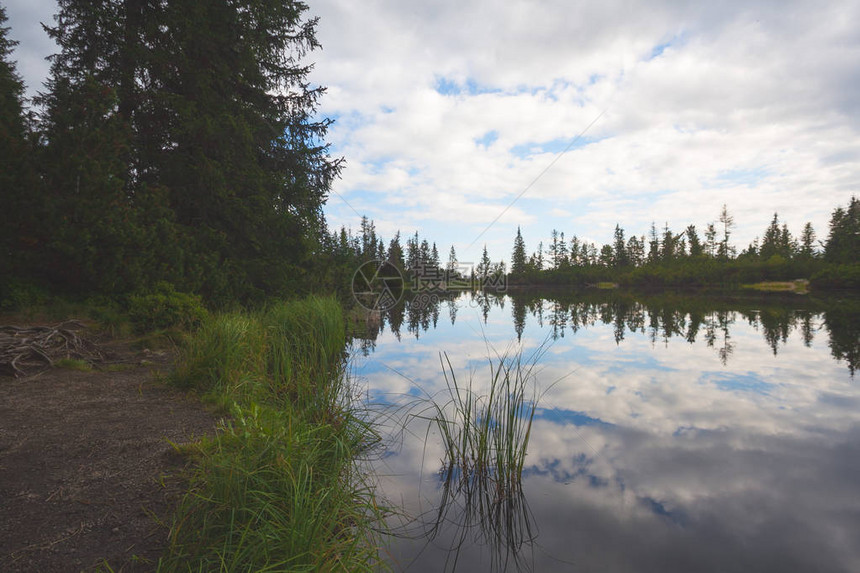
{"x":466,"y":119}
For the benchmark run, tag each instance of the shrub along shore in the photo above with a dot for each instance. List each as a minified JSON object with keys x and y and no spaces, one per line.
{"x":277,"y":488}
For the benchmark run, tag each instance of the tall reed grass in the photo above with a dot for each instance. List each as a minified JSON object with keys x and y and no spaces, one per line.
{"x":485,"y":426}
{"x":277,"y":489}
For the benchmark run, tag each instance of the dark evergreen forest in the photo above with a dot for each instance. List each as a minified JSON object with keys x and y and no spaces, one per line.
{"x":173,"y":142}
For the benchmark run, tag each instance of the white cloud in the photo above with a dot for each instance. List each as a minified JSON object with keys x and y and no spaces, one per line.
{"x":694,"y":96}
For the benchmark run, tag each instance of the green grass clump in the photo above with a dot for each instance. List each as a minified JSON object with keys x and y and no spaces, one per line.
{"x":74,"y":364}
{"x":277,"y":489}
{"x":485,"y":428}
{"x":486,"y":434}
{"x":225,"y":358}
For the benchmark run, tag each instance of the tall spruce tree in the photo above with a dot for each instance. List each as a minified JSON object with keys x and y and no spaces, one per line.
{"x":636,"y":250}
{"x":620,"y":257}
{"x":770,"y":243}
{"x":696,"y":248}
{"x":807,"y":242}
{"x":196,"y":116}
{"x":519,"y":264}
{"x":452,"y":266}
{"x":240,"y":149}
{"x":653,"y":244}
{"x":482,"y":272}
{"x":395,"y":253}
{"x":91,"y":233}
{"x":17,"y":177}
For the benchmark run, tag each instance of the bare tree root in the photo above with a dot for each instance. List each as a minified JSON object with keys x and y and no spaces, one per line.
{"x":29,"y":350}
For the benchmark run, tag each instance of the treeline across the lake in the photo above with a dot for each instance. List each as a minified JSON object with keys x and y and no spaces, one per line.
{"x":416,"y":257}
{"x":662,"y":317}
{"x":173,"y":142}
{"x":687,"y":258}
{"x":663,"y":258}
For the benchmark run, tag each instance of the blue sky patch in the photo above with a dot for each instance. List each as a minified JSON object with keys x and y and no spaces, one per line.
{"x":449,"y":87}
{"x":748,"y":177}
{"x":487,"y":139}
{"x":558,"y":145}
{"x":658,"y":50}
{"x":738,"y":382}
{"x":568,"y":417}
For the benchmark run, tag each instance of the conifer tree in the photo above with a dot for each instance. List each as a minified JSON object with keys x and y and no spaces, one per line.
{"x":620,"y":256}
{"x":563,"y":256}
{"x":770,"y":243}
{"x":787,"y":244}
{"x":424,"y":255}
{"x":552,"y":253}
{"x":434,"y":256}
{"x":413,"y":252}
{"x":484,"y":266}
{"x":636,"y":250}
{"x":195,"y":122}
{"x":18,"y":184}
{"x":653,"y":244}
{"x":711,"y":240}
{"x":726,"y":251}
{"x":452,"y":266}
{"x":574,"y":256}
{"x":696,"y":248}
{"x":807,"y":242}
{"x":843,"y":241}
{"x":670,"y":245}
{"x":395,"y":253}
{"x":518,"y":257}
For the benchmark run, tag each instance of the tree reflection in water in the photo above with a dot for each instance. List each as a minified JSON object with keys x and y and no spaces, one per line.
{"x":660,"y":317}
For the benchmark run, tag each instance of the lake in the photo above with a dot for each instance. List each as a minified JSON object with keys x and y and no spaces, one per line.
{"x":671,"y":432}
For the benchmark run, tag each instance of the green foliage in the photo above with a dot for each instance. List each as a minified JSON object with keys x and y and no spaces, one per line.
{"x":164,"y":307}
{"x":111,"y":318}
{"x":178,"y":143}
{"x":277,"y":489}
{"x":845,"y":277}
{"x":683,"y":260}
{"x":16,"y":294}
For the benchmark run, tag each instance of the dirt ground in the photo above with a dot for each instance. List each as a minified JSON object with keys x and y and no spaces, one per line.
{"x":86,"y":470}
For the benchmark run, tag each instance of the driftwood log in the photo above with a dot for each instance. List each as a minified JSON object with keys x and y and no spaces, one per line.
{"x":28,"y":350}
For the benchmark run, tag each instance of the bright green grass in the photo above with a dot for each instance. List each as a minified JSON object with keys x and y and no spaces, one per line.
{"x":277,"y":489}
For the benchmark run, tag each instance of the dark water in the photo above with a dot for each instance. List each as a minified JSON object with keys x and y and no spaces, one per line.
{"x":673,"y":434}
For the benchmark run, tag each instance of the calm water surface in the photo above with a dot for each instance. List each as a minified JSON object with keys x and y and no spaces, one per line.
{"x":672,"y":434}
